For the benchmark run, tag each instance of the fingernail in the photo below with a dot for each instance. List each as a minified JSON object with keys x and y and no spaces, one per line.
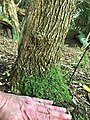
{"x":63,"y":109}
{"x":68,"y":117}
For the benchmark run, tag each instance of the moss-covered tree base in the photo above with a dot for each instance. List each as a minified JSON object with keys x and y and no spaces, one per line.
{"x":49,"y":85}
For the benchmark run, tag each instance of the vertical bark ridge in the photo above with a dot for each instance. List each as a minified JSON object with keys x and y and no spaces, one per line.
{"x":47,"y":29}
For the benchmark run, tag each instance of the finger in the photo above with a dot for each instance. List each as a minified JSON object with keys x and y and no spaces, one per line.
{"x":42,"y":116}
{"x":56,"y":108}
{"x":29,"y":100}
{"x":24,"y":114}
{"x":53,"y":113}
{"x":36,"y":115}
{"x":45,"y":108}
{"x":51,"y":107}
{"x":26,"y":99}
{"x":30,"y":111}
{"x":43,"y":101}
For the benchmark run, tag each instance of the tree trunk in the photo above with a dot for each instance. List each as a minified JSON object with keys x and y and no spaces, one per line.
{"x":47,"y":24}
{"x":9,"y":12}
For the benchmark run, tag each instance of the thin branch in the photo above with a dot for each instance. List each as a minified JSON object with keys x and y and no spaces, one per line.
{"x":81,"y":58}
{"x":88,"y":36}
{"x":19,"y":2}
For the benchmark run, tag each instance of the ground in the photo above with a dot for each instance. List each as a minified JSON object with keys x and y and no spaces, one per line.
{"x":71,"y":54}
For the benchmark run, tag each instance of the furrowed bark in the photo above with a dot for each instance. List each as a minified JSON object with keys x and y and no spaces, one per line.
{"x":47,"y":24}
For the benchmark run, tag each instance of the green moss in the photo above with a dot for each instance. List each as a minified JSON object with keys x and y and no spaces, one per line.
{"x":48,"y":85}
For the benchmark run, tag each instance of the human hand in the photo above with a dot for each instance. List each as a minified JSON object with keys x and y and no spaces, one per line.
{"x":27,"y":108}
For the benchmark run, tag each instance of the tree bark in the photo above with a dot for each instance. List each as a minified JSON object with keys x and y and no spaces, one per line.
{"x":9,"y":11}
{"x":47,"y":24}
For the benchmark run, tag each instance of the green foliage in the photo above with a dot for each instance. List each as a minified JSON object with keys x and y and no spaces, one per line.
{"x":23,"y":3}
{"x":15,"y":35}
{"x":81,"y":20}
{"x":78,"y":114}
{"x":79,"y":117}
{"x":49,"y":85}
{"x":6,"y":21}
{"x":82,"y":39}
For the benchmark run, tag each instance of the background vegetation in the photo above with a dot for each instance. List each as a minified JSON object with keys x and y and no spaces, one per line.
{"x":55,"y":84}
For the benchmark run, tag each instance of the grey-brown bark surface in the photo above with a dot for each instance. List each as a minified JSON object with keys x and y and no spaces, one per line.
{"x":47,"y":24}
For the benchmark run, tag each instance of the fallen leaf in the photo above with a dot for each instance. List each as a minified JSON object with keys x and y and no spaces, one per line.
{"x":85,"y":87}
